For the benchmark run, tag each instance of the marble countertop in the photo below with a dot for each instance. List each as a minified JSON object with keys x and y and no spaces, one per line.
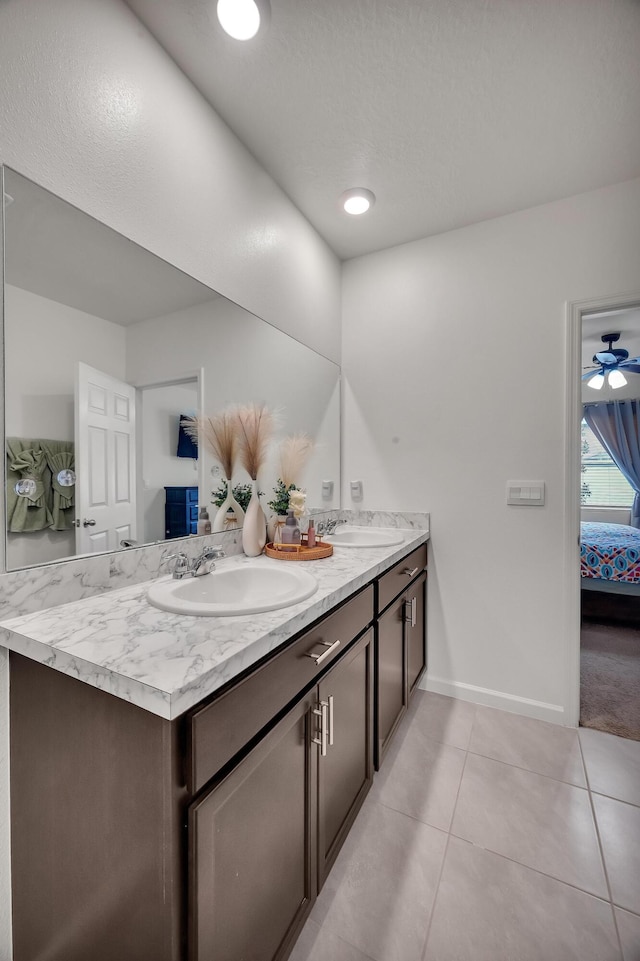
{"x":167,"y":663}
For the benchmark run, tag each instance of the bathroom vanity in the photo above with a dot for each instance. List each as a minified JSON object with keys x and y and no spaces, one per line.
{"x":192,"y":808}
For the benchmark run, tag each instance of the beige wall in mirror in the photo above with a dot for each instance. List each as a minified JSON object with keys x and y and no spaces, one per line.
{"x":77,"y":293}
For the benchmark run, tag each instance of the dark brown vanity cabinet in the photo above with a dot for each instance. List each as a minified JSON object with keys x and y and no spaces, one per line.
{"x":400,"y":642}
{"x":205,"y":838}
{"x":263,"y":838}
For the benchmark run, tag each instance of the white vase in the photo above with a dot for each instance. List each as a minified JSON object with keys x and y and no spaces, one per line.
{"x":254,"y":530}
{"x":230,"y":515}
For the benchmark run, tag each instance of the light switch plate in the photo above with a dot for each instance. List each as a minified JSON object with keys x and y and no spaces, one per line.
{"x":327,"y":490}
{"x":526,"y":493}
{"x":356,"y":490}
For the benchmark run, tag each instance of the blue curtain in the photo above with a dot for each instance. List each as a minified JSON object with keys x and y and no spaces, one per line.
{"x":617,"y":427}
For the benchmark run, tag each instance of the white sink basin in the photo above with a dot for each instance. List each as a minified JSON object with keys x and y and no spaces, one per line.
{"x":365,"y":537}
{"x":245,"y":589}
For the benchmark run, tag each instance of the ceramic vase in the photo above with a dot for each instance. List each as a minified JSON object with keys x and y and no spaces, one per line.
{"x":230,"y":515}
{"x":254,"y":530}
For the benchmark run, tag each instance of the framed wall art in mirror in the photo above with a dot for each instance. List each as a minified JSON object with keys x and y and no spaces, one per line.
{"x":107,"y":348}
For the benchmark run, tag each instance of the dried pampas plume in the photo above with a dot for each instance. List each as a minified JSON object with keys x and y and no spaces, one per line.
{"x":255,"y":429}
{"x":220,"y":436}
{"x":294,"y":453}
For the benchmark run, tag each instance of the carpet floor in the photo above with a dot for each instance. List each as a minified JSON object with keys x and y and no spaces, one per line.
{"x":610,"y":678}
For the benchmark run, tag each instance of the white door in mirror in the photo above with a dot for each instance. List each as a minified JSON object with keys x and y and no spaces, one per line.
{"x":105,"y":460}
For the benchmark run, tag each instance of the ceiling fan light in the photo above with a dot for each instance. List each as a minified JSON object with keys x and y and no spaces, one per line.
{"x":242,"y":19}
{"x":616,"y":379}
{"x":596,"y":381}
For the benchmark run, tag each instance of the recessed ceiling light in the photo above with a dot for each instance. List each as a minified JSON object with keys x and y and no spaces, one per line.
{"x":357,"y":200}
{"x":242,"y":19}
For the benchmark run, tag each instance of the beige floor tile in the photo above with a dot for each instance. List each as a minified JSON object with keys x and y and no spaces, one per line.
{"x":629,"y":930}
{"x":613,"y":764}
{"x":492,"y":909}
{"x":542,"y":823}
{"x":619,"y":826}
{"x":420,"y":776}
{"x":381,"y":890}
{"x":525,"y":742}
{"x":445,"y":719}
{"x":319,"y":944}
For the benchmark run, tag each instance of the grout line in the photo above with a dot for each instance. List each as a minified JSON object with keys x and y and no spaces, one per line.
{"x":545,"y":874}
{"x":601,"y":849}
{"x":612,"y":797}
{"x":444,"y":858}
{"x":520,"y":767}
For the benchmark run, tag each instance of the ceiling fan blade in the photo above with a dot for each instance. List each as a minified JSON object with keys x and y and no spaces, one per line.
{"x":632,"y":365}
{"x":590,"y":373}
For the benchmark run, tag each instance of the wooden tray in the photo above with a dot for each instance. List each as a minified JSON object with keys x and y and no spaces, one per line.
{"x":300,"y":552}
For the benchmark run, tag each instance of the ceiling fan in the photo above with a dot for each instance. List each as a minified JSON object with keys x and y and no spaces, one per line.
{"x":611,"y":363}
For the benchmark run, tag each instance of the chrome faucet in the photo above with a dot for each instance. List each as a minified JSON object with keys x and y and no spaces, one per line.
{"x":203,"y":564}
{"x":329,"y":527}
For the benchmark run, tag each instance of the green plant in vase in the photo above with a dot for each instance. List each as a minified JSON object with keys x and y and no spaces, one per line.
{"x":241,"y":492}
{"x":280,"y":503}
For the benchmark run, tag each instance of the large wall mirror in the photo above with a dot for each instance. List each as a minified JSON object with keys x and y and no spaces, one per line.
{"x":92,"y":321}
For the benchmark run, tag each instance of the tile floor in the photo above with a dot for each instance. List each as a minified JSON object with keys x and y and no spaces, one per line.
{"x":488,"y":837}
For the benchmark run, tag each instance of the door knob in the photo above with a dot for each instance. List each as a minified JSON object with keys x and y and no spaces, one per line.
{"x":89,"y":523}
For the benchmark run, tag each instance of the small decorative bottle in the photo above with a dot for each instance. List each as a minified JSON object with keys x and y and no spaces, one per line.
{"x":204,"y":524}
{"x":311,"y":534}
{"x":290,"y":531}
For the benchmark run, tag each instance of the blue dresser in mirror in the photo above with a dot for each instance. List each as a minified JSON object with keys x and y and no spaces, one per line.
{"x":180,"y":511}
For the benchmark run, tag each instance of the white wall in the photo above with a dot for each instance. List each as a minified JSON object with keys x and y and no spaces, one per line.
{"x":93,"y":109}
{"x":454,"y":371}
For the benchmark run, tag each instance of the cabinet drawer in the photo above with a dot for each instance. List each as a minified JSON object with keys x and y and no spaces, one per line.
{"x":391,"y":584}
{"x":216,"y":732}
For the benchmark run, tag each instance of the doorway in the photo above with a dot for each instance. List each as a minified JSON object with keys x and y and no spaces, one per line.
{"x":603,"y":596}
{"x":164,"y":463}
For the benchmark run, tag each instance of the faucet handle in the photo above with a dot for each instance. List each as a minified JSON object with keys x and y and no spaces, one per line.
{"x":211,"y":553}
{"x":181,"y":566}
{"x":204,"y":563}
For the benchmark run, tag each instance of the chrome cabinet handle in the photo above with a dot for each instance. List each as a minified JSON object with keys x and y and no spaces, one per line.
{"x":409,"y":572}
{"x":330,"y":722}
{"x":89,"y":523}
{"x":323,"y":655}
{"x":410,"y":611}
{"x":321,"y":712}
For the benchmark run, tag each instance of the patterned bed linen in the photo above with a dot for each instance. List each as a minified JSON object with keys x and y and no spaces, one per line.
{"x":610,"y":552}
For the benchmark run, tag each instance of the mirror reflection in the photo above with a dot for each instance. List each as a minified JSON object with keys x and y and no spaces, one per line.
{"x":107,"y":347}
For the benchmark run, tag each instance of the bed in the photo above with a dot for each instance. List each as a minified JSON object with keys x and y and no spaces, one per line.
{"x":610,"y":552}
{"x":610,"y":572}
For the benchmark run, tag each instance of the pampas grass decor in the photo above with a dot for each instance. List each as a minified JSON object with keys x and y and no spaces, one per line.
{"x":220,"y":435}
{"x":255,"y":429}
{"x":294,"y":453}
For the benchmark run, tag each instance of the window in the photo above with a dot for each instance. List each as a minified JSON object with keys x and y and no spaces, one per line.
{"x":602,"y":483}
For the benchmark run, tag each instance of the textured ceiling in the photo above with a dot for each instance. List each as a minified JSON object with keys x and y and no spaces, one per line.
{"x":451,"y":111}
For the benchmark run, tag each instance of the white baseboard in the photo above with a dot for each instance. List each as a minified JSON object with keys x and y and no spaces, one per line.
{"x":488,"y":698}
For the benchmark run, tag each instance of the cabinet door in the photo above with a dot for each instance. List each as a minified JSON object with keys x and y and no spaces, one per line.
{"x":415,"y":625}
{"x":345,"y":771}
{"x":391,"y":688}
{"x":250,"y":851}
